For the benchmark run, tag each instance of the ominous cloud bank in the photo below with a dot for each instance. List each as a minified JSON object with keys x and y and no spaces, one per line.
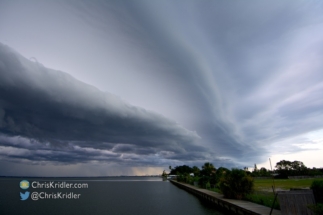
{"x":47,"y":115}
{"x":247,"y":77}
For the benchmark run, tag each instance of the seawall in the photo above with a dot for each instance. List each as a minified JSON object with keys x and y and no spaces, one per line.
{"x":235,"y":206}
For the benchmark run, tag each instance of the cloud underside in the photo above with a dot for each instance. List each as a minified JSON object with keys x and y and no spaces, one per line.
{"x":246,"y":77}
{"x":47,"y":115}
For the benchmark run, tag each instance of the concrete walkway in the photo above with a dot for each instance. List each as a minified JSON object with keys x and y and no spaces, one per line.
{"x":237,"y":206}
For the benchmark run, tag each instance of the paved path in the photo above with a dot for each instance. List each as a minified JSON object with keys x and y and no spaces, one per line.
{"x":238,"y":206}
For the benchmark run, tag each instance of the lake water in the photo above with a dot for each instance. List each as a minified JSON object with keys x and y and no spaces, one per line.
{"x":109,"y":196}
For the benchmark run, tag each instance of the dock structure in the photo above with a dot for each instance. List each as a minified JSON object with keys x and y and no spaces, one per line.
{"x":235,"y":206}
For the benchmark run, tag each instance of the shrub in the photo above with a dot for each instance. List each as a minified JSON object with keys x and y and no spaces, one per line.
{"x":195,"y":179}
{"x":263,"y":198}
{"x":180,"y":178}
{"x":317,"y":209}
{"x":317,"y":187}
{"x":186,"y":178}
{"x":208,"y":185}
{"x":236,"y":184}
{"x":203,"y":180}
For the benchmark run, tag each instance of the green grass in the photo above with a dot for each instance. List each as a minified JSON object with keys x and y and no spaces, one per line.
{"x":259,"y":197}
{"x":263,"y":193}
{"x":215,"y":190}
{"x":282,"y":184}
{"x":263,"y":198}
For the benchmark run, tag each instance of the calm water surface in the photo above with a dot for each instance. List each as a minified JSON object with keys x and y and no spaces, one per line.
{"x":110,"y":195}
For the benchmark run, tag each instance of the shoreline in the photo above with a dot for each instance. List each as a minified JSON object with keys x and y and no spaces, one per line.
{"x":232,"y":205}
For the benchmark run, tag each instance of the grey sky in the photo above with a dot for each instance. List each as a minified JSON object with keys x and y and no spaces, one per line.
{"x":152,"y":84}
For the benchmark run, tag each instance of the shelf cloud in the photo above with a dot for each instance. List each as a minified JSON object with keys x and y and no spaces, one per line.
{"x":47,"y":115}
{"x":153,"y":84}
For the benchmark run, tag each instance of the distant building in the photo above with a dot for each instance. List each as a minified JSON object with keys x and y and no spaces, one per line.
{"x":171,"y":176}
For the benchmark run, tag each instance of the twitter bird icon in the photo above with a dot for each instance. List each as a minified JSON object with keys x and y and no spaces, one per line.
{"x":24,"y":196}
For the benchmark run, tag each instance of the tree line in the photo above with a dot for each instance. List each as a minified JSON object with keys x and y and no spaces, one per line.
{"x":236,"y":183}
{"x":284,"y":168}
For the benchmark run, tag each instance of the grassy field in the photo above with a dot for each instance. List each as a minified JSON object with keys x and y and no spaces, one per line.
{"x":264,"y":195}
{"x":263,"y":198}
{"x":282,"y":184}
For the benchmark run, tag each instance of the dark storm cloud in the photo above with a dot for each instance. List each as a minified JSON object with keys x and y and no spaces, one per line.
{"x":245,"y":77}
{"x":70,"y":121}
{"x":253,"y":69}
{"x":191,"y":71}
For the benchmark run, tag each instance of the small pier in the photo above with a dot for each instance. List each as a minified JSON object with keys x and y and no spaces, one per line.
{"x":235,"y":206}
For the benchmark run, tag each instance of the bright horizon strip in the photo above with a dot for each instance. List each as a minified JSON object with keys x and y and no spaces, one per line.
{"x":311,"y":157}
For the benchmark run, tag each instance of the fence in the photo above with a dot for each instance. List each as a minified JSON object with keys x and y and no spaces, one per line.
{"x":295,"y":202}
{"x":305,"y":176}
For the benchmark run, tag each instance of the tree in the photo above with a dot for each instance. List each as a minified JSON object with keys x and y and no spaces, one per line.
{"x":207,"y":174}
{"x":255,"y":172}
{"x":286,"y":168}
{"x":283,"y":168}
{"x":236,"y":184}
{"x":220,"y":173}
{"x":208,"y":169}
{"x":298,"y":166}
{"x":264,"y":172}
{"x":255,"y":169}
{"x":181,"y":170}
{"x":196,"y":170}
{"x":284,"y":165}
